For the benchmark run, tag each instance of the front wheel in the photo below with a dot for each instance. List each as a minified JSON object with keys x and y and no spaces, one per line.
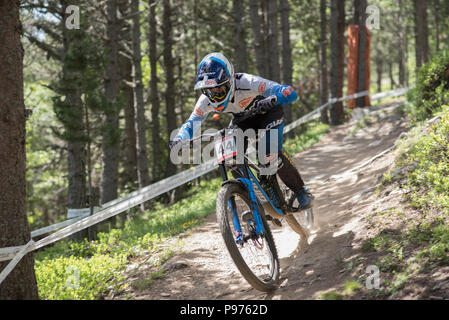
{"x":255,"y":256}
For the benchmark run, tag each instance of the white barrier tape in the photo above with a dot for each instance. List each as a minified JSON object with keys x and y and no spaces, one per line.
{"x":11,"y":265}
{"x":75,"y":213}
{"x":393,"y":93}
{"x":57,"y":226}
{"x":135,"y":198}
{"x":106,"y":213}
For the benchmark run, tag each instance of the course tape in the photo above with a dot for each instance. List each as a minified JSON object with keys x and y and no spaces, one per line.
{"x":135,"y":198}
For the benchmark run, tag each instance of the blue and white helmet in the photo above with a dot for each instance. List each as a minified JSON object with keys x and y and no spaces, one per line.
{"x":215,"y":78}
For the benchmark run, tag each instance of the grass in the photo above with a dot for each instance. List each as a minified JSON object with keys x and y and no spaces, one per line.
{"x":89,"y":269}
{"x":312,"y":135}
{"x":348,"y":290}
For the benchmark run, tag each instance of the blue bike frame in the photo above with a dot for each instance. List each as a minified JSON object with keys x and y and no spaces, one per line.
{"x":256,"y":192}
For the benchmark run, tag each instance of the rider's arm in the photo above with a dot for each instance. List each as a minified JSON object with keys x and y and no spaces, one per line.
{"x":199,"y":114}
{"x":285,"y":94}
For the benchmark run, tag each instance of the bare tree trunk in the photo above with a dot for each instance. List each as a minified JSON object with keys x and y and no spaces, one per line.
{"x":142,"y":160}
{"x":76,"y":156}
{"x":406,"y":45}
{"x":436,"y":9}
{"x":287,"y":65}
{"x":240,"y":49}
{"x":109,"y":175}
{"x":337,"y":27}
{"x":14,"y":228}
{"x":421,"y":33}
{"x":155,"y":105}
{"x":130,"y":174}
{"x":259,"y":43}
{"x":379,"y":67}
{"x":390,"y":73}
{"x":359,"y":19}
{"x":401,"y":45}
{"x":272,"y":41}
{"x":170,"y":168}
{"x":324,"y":87}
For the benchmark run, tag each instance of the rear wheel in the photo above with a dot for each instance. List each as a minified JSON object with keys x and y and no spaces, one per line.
{"x":256,"y":256}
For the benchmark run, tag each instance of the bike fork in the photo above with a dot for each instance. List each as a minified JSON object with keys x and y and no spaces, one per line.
{"x":253,"y":205}
{"x":235,"y":221}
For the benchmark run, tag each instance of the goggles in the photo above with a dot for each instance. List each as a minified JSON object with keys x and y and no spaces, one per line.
{"x":217,"y":94}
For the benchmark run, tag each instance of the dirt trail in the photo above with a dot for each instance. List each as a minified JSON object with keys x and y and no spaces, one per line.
{"x":202,"y":268}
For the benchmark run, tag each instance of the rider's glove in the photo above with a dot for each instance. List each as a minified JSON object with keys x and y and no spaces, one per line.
{"x":266,"y":104}
{"x":173,"y":143}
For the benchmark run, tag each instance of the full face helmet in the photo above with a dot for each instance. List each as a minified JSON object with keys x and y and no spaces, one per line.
{"x":215,"y":79}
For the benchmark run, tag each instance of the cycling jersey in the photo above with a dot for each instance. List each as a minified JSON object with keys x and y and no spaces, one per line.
{"x":247,"y":87}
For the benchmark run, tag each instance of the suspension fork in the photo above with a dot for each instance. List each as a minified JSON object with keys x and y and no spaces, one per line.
{"x":253,"y":199}
{"x":232,"y":209}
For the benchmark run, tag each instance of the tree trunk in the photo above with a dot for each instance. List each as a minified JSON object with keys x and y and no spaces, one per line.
{"x":259,"y":43}
{"x":324,"y":87}
{"x":337,"y":27}
{"x":74,"y":127}
{"x":421,"y":33}
{"x":379,"y":66}
{"x":272,"y":41}
{"x":390,"y":73}
{"x":360,"y":18}
{"x":436,"y":10}
{"x":109,"y":178}
{"x":142,"y":160}
{"x":287,"y":65}
{"x":170,"y":90}
{"x":406,"y":44}
{"x":14,"y":228}
{"x":155,"y":105}
{"x":402,"y":61}
{"x":130,"y":172}
{"x":240,"y":49}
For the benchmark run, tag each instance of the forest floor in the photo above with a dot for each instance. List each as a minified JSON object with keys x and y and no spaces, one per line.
{"x":344,"y":182}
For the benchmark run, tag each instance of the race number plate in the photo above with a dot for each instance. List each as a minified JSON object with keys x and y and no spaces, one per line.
{"x":226,"y":148}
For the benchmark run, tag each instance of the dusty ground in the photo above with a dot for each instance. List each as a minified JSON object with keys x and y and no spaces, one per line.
{"x":345,"y":196}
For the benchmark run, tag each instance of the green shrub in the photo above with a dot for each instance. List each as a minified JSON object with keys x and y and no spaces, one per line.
{"x":430,"y":156}
{"x":432,"y":88}
{"x":76,"y":278}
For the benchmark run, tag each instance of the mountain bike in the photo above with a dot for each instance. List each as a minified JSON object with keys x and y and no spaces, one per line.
{"x":246,"y":203}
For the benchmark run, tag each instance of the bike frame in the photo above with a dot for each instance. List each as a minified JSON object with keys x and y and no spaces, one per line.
{"x":256,"y":193}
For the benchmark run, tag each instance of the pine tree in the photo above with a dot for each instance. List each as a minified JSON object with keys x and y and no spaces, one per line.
{"x":14,"y":229}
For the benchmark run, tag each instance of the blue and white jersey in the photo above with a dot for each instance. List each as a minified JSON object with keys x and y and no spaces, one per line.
{"x":247,"y":87}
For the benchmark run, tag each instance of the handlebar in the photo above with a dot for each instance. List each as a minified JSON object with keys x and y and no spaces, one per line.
{"x":245,"y":115}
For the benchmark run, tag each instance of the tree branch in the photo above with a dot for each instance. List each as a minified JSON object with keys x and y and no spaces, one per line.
{"x":52,"y":52}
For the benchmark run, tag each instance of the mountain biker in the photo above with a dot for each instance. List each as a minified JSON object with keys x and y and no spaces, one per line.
{"x":226,"y":91}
